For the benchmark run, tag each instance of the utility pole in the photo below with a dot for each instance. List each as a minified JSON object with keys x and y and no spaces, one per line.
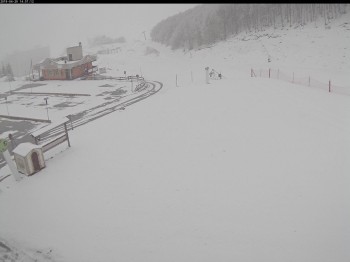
{"x":47,"y":109}
{"x":31,"y":68}
{"x":8,"y":76}
{"x":207,"y":75}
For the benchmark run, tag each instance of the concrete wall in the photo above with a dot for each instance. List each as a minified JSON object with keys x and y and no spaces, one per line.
{"x":76,"y":52}
{"x":21,"y":163}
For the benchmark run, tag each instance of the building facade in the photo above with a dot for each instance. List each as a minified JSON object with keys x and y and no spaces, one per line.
{"x":72,"y":66}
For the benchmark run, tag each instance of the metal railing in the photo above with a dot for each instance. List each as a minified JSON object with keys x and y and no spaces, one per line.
{"x":293,"y":78}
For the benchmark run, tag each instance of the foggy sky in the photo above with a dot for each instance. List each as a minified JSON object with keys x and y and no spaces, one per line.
{"x":25,"y":26}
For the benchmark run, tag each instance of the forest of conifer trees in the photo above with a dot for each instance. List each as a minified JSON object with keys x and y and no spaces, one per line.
{"x":6,"y":71}
{"x":210,"y":23}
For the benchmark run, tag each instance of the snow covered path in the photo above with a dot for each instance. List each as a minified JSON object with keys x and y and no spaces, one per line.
{"x":255,"y":171}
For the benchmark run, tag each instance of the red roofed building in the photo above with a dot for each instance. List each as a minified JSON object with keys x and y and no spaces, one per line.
{"x":68,"y":67}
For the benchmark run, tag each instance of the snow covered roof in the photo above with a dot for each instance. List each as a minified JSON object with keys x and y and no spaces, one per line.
{"x":24,"y":148}
{"x":55,"y":63}
{"x":63,"y":62}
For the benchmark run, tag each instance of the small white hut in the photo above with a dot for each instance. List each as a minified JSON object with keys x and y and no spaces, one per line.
{"x":29,"y":158}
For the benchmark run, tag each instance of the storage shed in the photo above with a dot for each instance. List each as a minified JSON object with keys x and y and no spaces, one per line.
{"x":29,"y":158}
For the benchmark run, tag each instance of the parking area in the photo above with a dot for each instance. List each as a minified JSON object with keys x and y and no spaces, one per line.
{"x":29,"y":106}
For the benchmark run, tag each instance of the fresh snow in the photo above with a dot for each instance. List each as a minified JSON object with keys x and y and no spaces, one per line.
{"x":24,"y":148}
{"x":241,"y":169}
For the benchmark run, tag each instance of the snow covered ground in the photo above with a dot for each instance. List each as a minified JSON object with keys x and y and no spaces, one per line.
{"x":26,"y":104}
{"x":242,"y":169}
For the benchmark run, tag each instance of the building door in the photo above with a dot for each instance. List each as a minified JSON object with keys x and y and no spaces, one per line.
{"x":35,"y":161}
{"x":68,"y":75}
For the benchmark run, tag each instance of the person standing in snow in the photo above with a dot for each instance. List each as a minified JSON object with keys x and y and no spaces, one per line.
{"x":212,"y":72}
{"x":13,"y":142}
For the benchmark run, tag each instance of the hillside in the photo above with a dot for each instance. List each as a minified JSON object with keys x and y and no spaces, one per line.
{"x":211,"y":23}
{"x":307,"y":51}
{"x":241,"y":169}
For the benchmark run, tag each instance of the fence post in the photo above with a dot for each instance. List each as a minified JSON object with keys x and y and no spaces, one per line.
{"x":71,"y":123}
{"x":65,"y":130}
{"x":329,"y":86}
{"x":191,"y":76}
{"x":207,"y":75}
{"x":269,"y":72}
{"x":278,"y":74}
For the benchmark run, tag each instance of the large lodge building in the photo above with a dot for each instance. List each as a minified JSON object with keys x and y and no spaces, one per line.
{"x":68,"y":67}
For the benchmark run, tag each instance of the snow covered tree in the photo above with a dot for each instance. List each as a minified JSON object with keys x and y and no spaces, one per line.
{"x":2,"y":71}
{"x":210,"y":23}
{"x":9,"y":72}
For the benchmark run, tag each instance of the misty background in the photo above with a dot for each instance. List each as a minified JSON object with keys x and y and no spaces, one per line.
{"x":58,"y":26}
{"x":35,"y":32}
